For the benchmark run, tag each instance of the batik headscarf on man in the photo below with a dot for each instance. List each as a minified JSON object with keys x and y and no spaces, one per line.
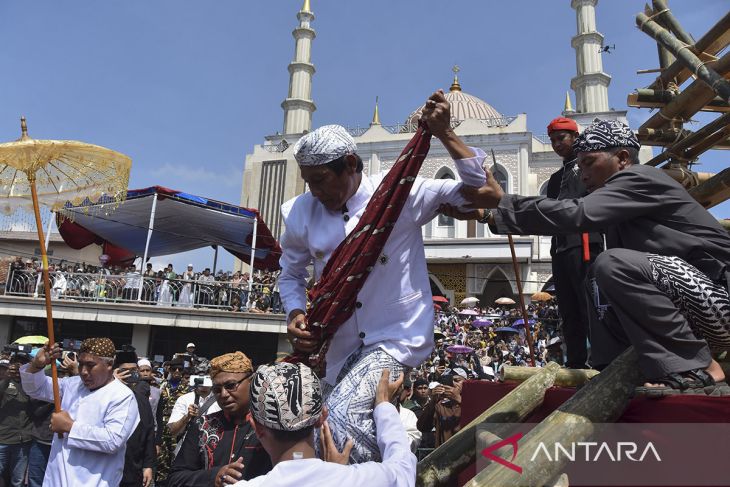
{"x":103,"y":347}
{"x":285,"y":396}
{"x":234,"y":363}
{"x":603,"y":135}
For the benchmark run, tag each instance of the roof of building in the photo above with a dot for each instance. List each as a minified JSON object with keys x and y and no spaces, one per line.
{"x":463,"y":106}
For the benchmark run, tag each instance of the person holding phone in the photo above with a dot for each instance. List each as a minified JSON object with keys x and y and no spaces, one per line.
{"x":443,"y":412}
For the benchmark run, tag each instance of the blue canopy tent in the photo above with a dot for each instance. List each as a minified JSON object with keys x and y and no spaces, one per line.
{"x":159,"y":221}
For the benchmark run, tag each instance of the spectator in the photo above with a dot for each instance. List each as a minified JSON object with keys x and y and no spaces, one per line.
{"x":98,"y":416}
{"x":444,"y":412}
{"x":170,"y":391}
{"x":222,"y":443}
{"x":196,"y":403}
{"x":15,"y":424}
{"x":139,"y":459}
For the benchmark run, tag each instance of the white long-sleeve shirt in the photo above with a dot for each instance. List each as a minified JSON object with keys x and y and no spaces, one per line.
{"x":398,"y":468}
{"x":410,"y":423}
{"x":92,"y":453}
{"x":394,"y":310}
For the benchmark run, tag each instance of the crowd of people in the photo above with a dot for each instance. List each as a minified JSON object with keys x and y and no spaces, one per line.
{"x":372,"y":379}
{"x":163,"y":287}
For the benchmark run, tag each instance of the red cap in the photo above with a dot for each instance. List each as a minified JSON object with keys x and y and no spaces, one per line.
{"x":562,"y":123}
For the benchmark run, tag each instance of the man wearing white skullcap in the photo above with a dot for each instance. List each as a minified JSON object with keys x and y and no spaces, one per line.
{"x":286,"y":407}
{"x":391,"y":325}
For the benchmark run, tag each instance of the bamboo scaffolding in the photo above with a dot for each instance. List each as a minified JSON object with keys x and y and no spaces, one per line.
{"x":688,"y":102}
{"x":648,"y":98}
{"x":683,"y":54}
{"x":714,"y":41}
{"x":713,"y":191}
{"x":601,"y":400}
{"x":694,"y":138}
{"x":443,"y":464}
{"x":667,"y":19}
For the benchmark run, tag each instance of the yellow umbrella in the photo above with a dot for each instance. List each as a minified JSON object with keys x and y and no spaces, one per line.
{"x":52,"y":172}
{"x":541,"y":296}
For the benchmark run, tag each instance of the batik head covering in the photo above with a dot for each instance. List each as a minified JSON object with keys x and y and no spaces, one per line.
{"x":285,"y":396}
{"x":324,"y":145}
{"x":103,"y":347}
{"x":235,"y":363}
{"x":605,"y":134}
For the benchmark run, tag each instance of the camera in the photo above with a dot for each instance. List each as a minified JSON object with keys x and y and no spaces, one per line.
{"x":19,"y":351}
{"x":200,"y":380}
{"x":71,"y":345}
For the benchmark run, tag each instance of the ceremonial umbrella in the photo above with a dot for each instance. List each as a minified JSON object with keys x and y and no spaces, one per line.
{"x":506,"y":329}
{"x":521,"y":322}
{"x":504,"y":301}
{"x":481,"y":322}
{"x":469,"y":301}
{"x":459,"y":349}
{"x":440,"y":299}
{"x":31,"y":340}
{"x":52,"y":173}
{"x":541,"y":296}
{"x":468,"y":312}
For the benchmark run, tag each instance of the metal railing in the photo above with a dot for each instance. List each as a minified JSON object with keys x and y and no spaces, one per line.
{"x":411,"y":126}
{"x":134,"y":289}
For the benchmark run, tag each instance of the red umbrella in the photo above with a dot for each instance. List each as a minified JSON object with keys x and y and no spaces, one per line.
{"x":440,"y":299}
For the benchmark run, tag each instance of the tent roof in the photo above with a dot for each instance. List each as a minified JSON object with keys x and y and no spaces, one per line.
{"x":182,"y":222}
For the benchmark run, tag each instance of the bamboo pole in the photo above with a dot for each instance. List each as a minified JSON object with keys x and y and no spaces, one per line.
{"x":711,"y":43}
{"x":601,"y":400}
{"x":564,"y":377}
{"x":684,"y":55}
{"x":648,"y":98}
{"x":443,"y":464}
{"x":46,"y":291}
{"x":668,"y":20}
{"x":713,"y":191}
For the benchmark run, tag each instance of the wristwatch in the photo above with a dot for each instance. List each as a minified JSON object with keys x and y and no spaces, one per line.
{"x":486,"y":217}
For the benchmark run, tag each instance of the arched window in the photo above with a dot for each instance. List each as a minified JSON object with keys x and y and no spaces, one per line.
{"x":446,"y":221}
{"x":501,"y":176}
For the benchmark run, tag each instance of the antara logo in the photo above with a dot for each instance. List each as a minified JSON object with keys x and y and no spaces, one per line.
{"x":592,"y":452}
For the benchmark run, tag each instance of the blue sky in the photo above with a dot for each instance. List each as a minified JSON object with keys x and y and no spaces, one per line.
{"x":186,"y":88}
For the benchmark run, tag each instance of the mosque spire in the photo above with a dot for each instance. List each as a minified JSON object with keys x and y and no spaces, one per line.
{"x":455,"y":86}
{"x":376,"y":114}
{"x":298,"y":105}
{"x":590,"y":83}
{"x":568,"y":109}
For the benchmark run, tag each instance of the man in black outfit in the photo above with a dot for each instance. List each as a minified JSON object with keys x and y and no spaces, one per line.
{"x":139,"y":458}
{"x":569,"y":267}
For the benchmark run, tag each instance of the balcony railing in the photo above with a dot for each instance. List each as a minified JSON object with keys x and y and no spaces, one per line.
{"x":134,"y":289}
{"x":412,"y":126}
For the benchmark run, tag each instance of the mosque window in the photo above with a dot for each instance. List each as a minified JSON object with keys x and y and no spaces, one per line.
{"x":443,"y":220}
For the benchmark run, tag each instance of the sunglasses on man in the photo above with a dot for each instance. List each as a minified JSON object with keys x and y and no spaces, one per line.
{"x":229,"y":386}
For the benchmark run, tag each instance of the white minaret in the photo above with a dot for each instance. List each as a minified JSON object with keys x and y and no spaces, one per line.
{"x":298,"y":106}
{"x":591,"y":83}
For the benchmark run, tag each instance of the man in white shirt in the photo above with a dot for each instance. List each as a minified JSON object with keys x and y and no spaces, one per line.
{"x":194,"y":404}
{"x":286,"y":406}
{"x":99,"y":414}
{"x":392,"y":325}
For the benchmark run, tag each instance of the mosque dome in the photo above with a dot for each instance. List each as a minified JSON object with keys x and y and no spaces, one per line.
{"x":463,"y":105}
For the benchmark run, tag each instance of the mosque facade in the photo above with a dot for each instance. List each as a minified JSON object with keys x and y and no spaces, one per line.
{"x":464,"y":258}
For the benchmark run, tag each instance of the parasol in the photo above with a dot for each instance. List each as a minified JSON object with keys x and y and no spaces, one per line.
{"x":31,"y":340}
{"x":506,"y":329}
{"x":459,"y":349}
{"x":440,"y":299}
{"x":469,"y":301}
{"x":541,"y":296}
{"x":468,"y":312}
{"x":481,"y":322}
{"x":505,"y":301}
{"x":52,"y":173}
{"x":521,"y":322}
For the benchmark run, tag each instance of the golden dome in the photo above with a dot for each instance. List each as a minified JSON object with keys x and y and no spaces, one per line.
{"x":463,"y":106}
